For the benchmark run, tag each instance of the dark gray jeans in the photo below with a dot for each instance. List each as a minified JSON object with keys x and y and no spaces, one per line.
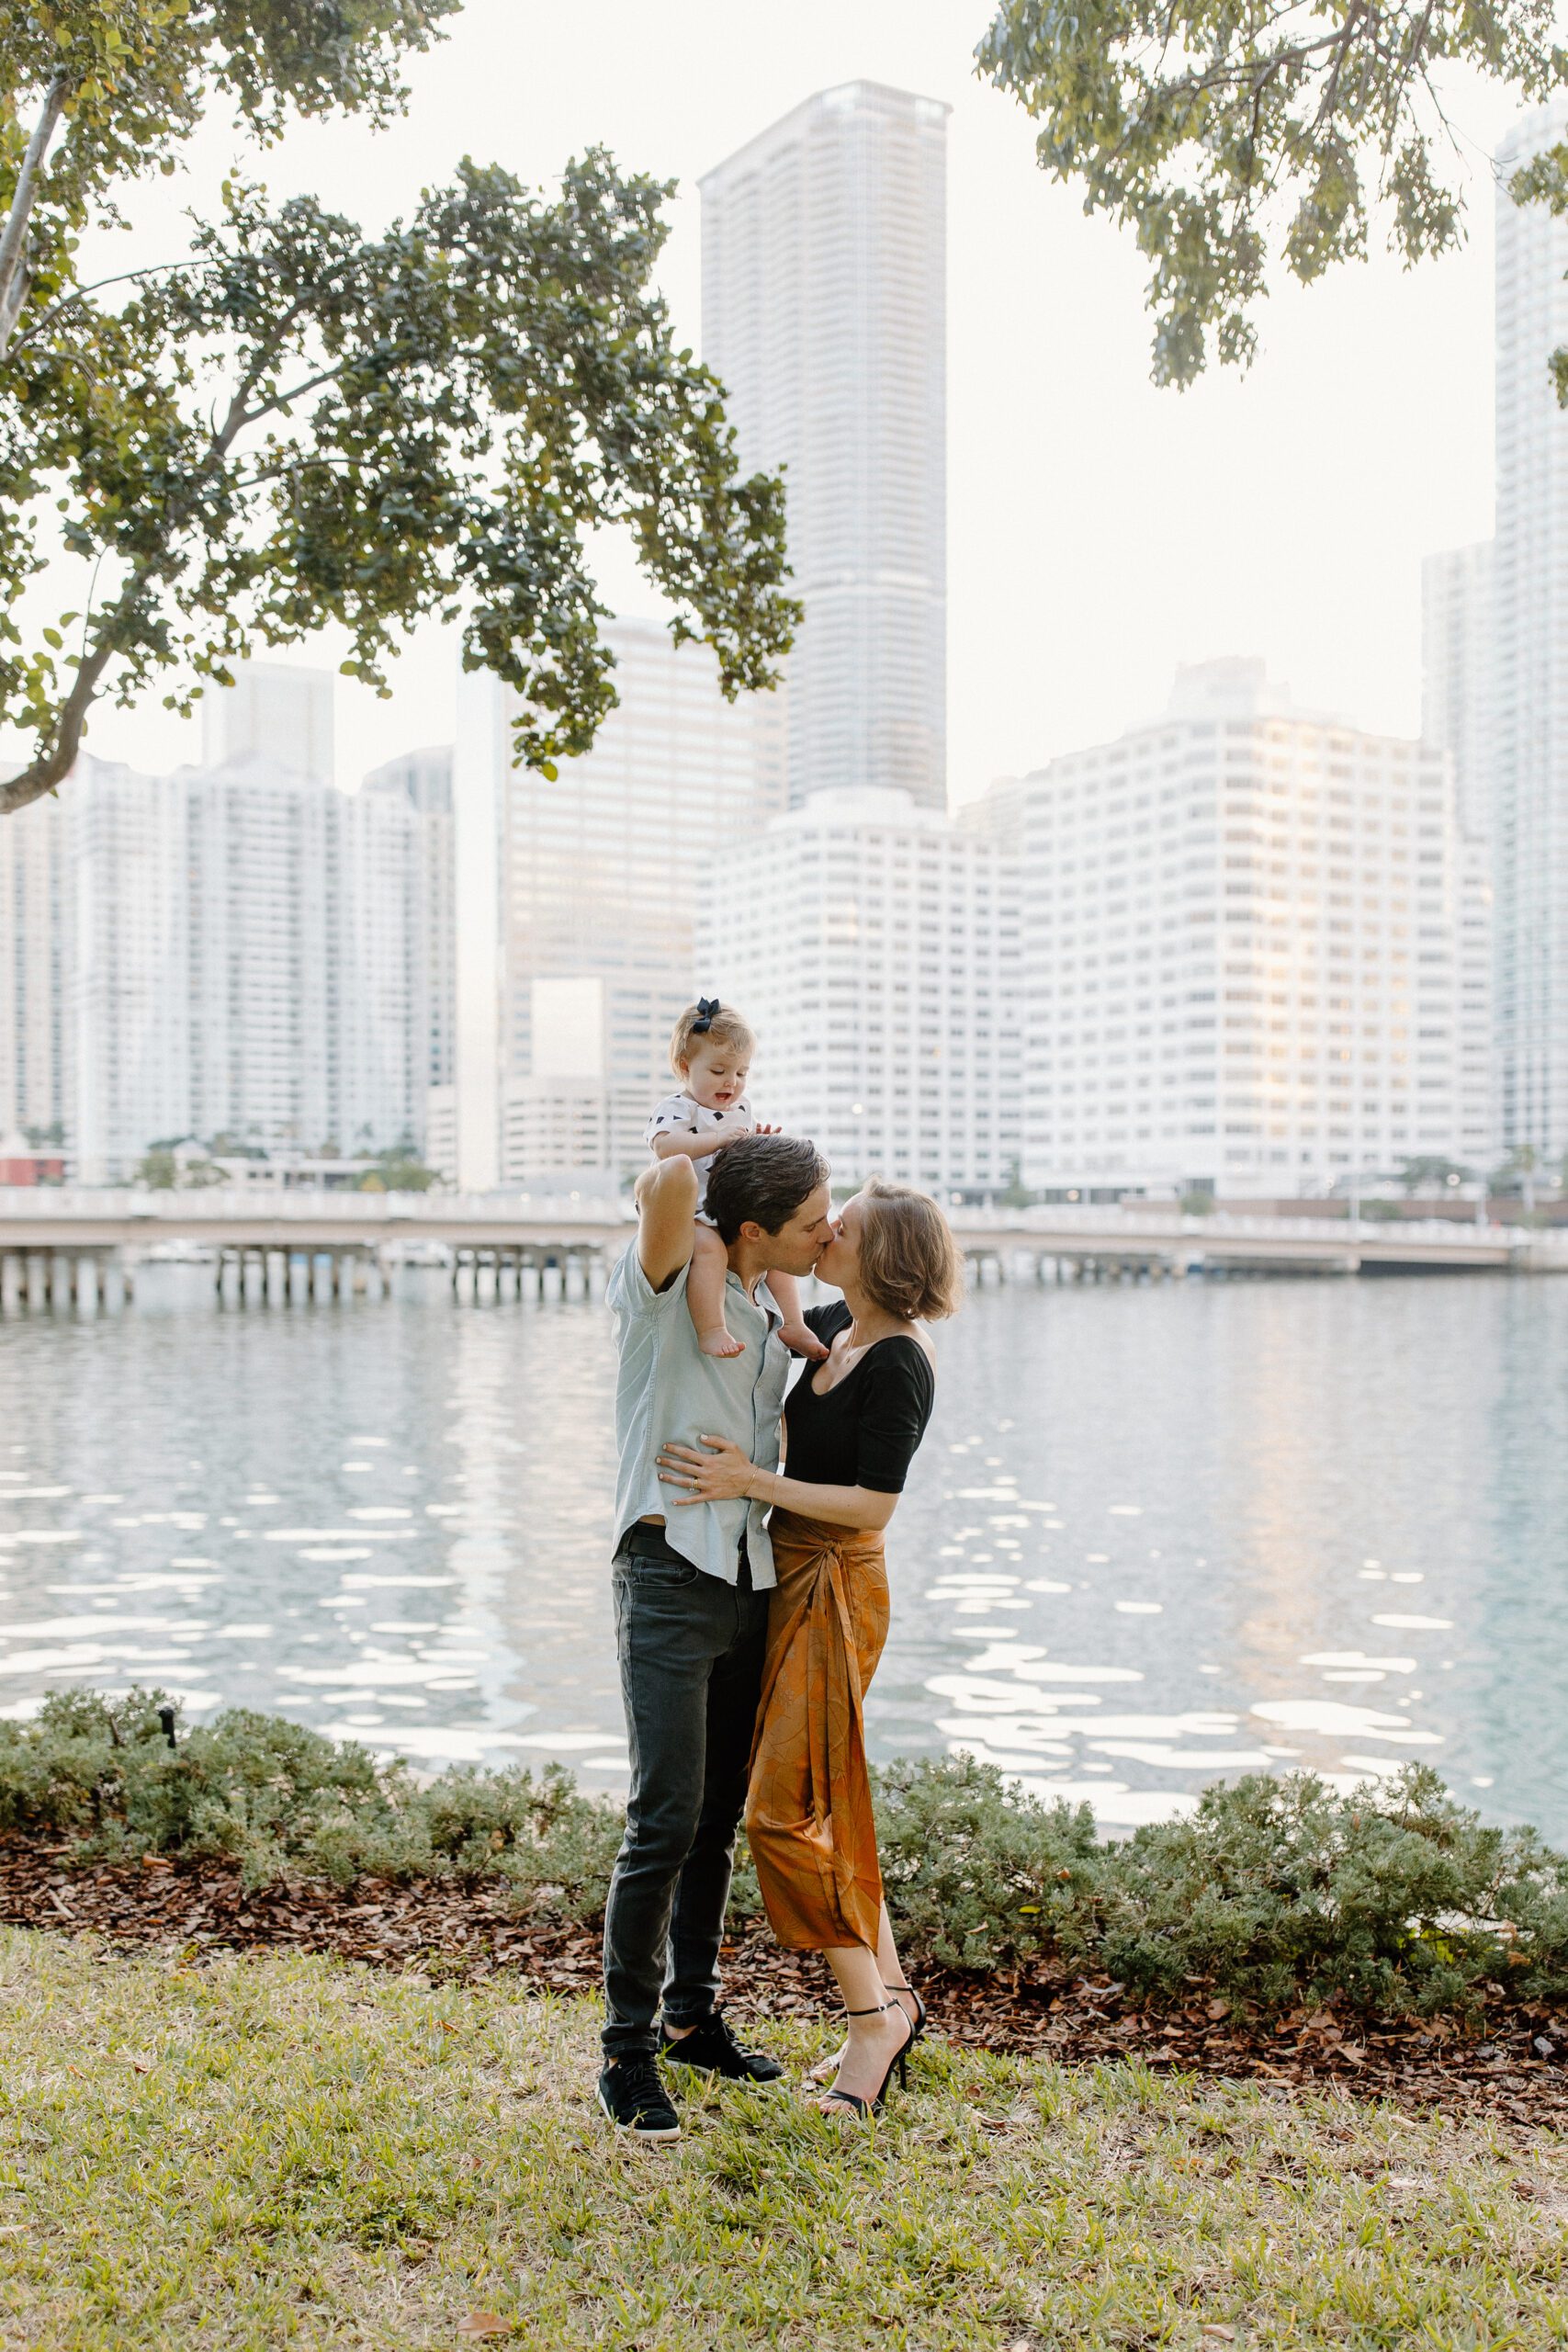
{"x":691,"y":1653}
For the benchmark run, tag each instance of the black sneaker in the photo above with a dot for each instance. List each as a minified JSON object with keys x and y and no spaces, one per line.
{"x":712,"y":2049}
{"x":636,"y":2101}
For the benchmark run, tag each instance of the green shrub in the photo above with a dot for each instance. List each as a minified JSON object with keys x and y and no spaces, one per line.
{"x":540,"y":1832}
{"x":284,"y":1801}
{"x":1394,"y":1900}
{"x":978,"y":1874}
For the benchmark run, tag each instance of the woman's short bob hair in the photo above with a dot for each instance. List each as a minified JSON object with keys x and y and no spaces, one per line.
{"x":909,"y":1265}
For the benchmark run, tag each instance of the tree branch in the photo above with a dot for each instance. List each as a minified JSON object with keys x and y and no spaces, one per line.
{"x":80,"y":294}
{"x":15,"y":273}
{"x":285,"y":400}
{"x":52,"y":766}
{"x":238,"y":417}
{"x":1249,"y":70}
{"x":1330,"y":98}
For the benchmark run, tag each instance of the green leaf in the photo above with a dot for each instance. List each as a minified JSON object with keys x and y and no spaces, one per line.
{"x":1232,"y":140}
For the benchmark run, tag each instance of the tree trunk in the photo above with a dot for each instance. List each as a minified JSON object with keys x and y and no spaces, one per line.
{"x":15,"y":270}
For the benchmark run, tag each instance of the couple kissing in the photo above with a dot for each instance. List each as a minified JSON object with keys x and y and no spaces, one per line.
{"x":751,"y":1601}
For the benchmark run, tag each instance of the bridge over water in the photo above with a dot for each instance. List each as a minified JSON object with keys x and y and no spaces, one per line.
{"x":80,"y":1244}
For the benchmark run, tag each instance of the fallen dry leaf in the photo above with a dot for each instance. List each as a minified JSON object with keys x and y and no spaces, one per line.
{"x":484,"y":2324}
{"x":139,"y":2059}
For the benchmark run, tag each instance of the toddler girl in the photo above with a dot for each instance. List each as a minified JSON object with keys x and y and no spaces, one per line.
{"x":710,"y":1053}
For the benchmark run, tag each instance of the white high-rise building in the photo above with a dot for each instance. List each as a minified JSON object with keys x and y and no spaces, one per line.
{"x":128,"y":990}
{"x":35,"y":1037}
{"x":1530,"y":678}
{"x":874,"y":946}
{"x":1255,"y":952}
{"x":377,"y":973}
{"x":262,"y":917}
{"x":423,"y":779}
{"x":824,"y":314}
{"x":281,"y":713}
{"x":577,"y":902}
{"x":307,"y":997}
{"x":232,"y":952}
{"x":1456,"y":673}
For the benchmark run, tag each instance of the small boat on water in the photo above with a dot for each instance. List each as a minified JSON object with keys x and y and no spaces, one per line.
{"x":180,"y":1251}
{"x":416,"y":1251}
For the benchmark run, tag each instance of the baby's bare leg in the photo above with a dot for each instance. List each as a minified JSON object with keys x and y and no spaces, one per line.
{"x":704,"y":1295}
{"x":796,"y":1332}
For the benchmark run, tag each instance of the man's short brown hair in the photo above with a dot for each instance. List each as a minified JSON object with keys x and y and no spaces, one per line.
{"x":761,"y":1179}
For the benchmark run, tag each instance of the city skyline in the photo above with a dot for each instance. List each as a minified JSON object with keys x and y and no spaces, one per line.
{"x":558,"y":918}
{"x":1101,"y":532}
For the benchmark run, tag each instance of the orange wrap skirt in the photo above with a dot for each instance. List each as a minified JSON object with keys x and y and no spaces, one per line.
{"x":808,"y":1804}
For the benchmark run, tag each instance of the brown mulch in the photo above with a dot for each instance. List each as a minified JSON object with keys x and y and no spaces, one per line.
{"x":1512,"y":2062}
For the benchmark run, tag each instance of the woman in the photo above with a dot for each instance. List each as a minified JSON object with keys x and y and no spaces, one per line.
{"x":851,"y":1426}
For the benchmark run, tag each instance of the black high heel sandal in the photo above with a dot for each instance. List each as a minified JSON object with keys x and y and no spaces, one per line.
{"x":897,"y":2064}
{"x":919,"y":2021}
{"x":829,"y":2066}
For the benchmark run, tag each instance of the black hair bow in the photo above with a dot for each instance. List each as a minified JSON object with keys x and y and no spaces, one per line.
{"x":706,"y":1008}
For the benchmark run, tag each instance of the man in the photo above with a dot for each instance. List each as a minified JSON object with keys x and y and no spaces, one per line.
{"x":692,"y":1606}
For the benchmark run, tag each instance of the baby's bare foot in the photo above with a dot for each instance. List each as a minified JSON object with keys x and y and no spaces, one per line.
{"x":719,"y":1342}
{"x":802,"y":1340}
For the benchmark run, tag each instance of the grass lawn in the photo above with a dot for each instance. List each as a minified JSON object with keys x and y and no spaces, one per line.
{"x":291,"y":2151}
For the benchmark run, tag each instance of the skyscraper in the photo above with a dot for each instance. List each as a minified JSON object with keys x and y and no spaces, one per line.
{"x":1456,"y":673}
{"x":1530,"y":678}
{"x":577,"y":901}
{"x":35,"y":1090}
{"x":127,"y":988}
{"x":223,"y":951}
{"x":1255,"y":951}
{"x":824,"y":314}
{"x":423,"y":779}
{"x":874,"y":945}
{"x":282,"y":712}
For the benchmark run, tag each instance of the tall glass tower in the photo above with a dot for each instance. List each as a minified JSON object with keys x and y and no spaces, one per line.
{"x":824,"y":314}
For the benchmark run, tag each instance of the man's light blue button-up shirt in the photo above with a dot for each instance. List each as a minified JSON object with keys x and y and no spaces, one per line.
{"x":668,"y":1389}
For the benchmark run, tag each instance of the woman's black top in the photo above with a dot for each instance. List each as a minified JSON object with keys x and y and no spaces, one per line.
{"x":864,"y":1432}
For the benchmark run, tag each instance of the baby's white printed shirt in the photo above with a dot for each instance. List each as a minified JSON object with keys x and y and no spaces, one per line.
{"x":683,"y":1115}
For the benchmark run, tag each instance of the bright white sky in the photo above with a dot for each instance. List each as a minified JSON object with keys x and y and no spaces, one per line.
{"x":1100,"y":531}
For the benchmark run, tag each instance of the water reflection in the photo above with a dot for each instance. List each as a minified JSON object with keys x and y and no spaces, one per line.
{"x":1156,"y":1535}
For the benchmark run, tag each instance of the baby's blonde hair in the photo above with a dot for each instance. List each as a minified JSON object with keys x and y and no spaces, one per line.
{"x":707,"y":1022}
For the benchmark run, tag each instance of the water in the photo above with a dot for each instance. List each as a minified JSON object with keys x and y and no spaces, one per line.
{"x":1156,"y":1535}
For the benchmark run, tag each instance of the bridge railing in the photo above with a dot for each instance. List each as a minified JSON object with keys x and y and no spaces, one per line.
{"x":219,"y":1204}
{"x":1153,"y":1222}
{"x":1150,"y":1225}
